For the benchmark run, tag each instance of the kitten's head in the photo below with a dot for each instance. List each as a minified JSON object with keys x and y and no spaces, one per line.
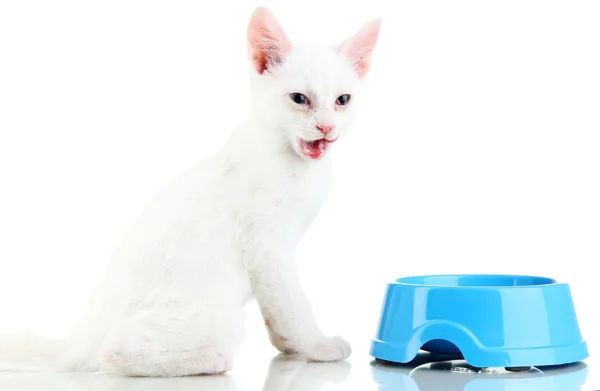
{"x":308,"y":92}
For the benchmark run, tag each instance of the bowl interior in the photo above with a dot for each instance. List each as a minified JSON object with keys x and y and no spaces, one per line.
{"x":476,"y":280}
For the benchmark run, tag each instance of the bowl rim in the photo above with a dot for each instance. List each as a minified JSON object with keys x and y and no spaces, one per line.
{"x":549,"y":281}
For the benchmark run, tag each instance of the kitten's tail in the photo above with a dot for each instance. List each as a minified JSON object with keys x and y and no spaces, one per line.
{"x":27,"y":352}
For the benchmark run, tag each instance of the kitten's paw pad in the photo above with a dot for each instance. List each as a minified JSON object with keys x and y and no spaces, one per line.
{"x":329,"y":349}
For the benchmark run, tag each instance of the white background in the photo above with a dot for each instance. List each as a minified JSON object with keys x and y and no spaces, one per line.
{"x":478,"y":151}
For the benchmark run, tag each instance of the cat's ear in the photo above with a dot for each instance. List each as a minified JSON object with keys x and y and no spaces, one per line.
{"x":267,"y":42}
{"x":359,"y":48}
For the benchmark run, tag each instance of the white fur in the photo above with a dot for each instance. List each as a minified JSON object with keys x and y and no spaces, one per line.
{"x":171,"y":302}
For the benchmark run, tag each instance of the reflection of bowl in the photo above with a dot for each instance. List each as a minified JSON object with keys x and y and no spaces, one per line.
{"x":492,"y":320}
{"x":441,"y":376}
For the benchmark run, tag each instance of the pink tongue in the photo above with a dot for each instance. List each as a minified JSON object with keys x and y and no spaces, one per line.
{"x":317,"y":147}
{"x":321,"y":145}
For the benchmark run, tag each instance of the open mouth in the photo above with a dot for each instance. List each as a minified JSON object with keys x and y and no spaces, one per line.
{"x":314,"y":149}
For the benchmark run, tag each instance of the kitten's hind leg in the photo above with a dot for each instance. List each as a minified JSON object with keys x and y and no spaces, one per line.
{"x":174,"y":342}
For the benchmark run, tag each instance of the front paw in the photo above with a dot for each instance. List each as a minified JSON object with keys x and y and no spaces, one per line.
{"x":328,"y":349}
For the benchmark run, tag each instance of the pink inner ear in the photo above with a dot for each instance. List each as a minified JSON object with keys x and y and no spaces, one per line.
{"x":267,"y":42}
{"x":359,"y":48}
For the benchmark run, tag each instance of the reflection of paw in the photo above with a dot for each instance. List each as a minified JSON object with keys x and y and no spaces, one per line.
{"x":118,"y":383}
{"x":292,"y":369}
{"x":280,"y":342}
{"x":333,"y":371}
{"x":328,"y":349}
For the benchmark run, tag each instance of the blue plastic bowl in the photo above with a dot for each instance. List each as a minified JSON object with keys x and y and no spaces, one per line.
{"x":491,"y":320}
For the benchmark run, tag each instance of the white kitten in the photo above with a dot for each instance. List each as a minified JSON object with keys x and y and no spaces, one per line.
{"x":171,"y":302}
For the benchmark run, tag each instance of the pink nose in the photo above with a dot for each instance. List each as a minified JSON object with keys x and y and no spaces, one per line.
{"x":325,"y":129}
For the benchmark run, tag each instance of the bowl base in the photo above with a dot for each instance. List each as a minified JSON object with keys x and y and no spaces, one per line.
{"x":517,"y":369}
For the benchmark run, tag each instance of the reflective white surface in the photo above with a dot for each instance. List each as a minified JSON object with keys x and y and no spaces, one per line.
{"x":255,"y":371}
{"x":425,"y":376}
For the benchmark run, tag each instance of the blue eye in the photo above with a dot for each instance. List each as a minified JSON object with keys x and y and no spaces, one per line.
{"x":299,"y":98}
{"x":343,"y":100}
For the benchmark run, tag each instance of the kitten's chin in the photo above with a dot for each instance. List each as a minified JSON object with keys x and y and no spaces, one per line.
{"x":314,"y":149}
